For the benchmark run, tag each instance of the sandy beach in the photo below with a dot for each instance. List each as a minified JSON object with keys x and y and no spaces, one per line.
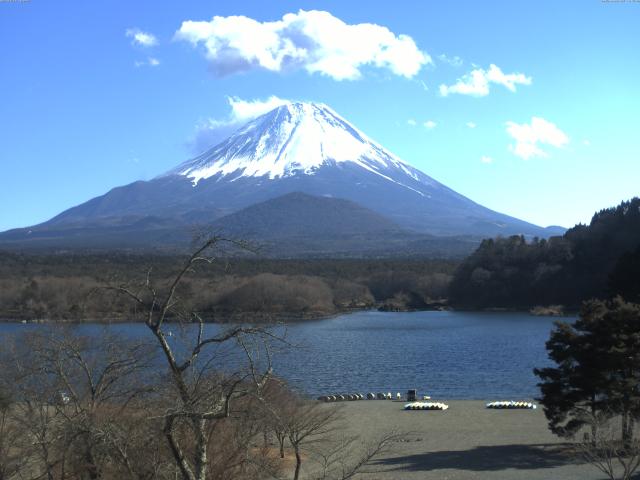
{"x":467,"y":441}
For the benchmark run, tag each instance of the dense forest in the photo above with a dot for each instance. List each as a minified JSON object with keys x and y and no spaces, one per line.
{"x":599,"y":260}
{"x":71,"y":287}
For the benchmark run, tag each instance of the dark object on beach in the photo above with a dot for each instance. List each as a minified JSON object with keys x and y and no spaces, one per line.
{"x":371,"y":396}
{"x":381,"y":396}
{"x":412,"y":395}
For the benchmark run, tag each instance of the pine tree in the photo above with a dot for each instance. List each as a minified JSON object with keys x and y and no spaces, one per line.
{"x":598,"y":369}
{"x":624,"y":279}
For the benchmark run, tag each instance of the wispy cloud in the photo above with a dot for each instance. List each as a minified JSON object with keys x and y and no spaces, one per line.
{"x":212,"y":131}
{"x":477,"y":82}
{"x":412,"y":122}
{"x":455,"y":61}
{"x":530,"y":136}
{"x":486,"y":160}
{"x":149,"y":62}
{"x":429,"y":124}
{"x":245,"y":110}
{"x":471,"y":125}
{"x":315,"y":41}
{"x":140,"y":38}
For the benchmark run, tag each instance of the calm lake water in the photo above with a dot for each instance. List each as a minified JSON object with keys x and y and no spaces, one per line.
{"x":449,"y":355}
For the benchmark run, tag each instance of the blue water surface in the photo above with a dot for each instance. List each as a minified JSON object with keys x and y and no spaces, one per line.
{"x":449,"y":355}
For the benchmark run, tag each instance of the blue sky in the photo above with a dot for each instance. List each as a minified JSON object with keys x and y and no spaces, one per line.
{"x":95,"y":95}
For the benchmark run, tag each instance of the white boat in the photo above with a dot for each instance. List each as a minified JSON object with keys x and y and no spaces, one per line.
{"x":426,"y":406}
{"x":510,"y":405}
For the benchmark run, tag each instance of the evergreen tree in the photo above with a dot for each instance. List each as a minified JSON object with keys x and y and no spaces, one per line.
{"x":599,"y":260}
{"x":625,"y":277}
{"x":598,"y":369}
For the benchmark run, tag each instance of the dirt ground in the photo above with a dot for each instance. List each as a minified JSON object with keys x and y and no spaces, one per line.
{"x":467,"y":441}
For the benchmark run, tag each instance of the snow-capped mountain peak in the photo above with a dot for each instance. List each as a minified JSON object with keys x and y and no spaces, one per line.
{"x":294,"y":150}
{"x":295,"y":138}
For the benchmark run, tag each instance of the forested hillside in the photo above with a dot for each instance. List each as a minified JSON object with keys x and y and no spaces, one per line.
{"x":69,"y":287}
{"x":601,"y":260}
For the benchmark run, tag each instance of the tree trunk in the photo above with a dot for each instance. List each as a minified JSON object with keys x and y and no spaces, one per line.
{"x":626,"y":430}
{"x":281,"y":441}
{"x":296,"y":474}
{"x":201,"y":448}
{"x":178,"y":455}
{"x":91,"y":467}
{"x":594,"y":422}
{"x":628,"y":433}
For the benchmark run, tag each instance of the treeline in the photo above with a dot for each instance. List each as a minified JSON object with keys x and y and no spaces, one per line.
{"x":599,"y":260}
{"x":74,"y":287}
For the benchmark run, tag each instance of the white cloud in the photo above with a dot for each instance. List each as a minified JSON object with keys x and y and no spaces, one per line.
{"x":412,"y":122}
{"x":471,"y":125}
{"x":212,"y":131}
{"x":528,"y":137}
{"x":315,"y":41}
{"x":485,"y":159}
{"x":245,"y":110}
{"x":429,"y":124}
{"x":453,"y":61}
{"x":586,"y":143}
{"x":149,"y":62}
{"x":477,"y":82}
{"x":140,"y":38}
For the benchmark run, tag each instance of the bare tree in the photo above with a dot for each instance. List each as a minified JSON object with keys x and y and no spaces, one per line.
{"x":277,"y":402}
{"x":317,"y":432}
{"x":31,"y":412}
{"x":341,"y":459}
{"x":96,"y":381}
{"x":199,"y":399}
{"x":237,"y":451}
{"x":307,"y":424}
{"x":605,"y":449}
{"x":76,"y":398}
{"x":13,"y":441}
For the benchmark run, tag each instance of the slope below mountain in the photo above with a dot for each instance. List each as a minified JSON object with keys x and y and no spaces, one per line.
{"x":301,"y":225}
{"x":295,"y":225}
{"x":299,"y":214}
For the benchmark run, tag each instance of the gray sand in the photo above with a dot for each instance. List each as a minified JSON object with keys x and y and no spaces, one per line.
{"x":467,"y":441}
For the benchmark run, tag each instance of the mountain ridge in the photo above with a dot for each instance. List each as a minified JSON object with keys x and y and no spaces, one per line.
{"x":298,"y":147}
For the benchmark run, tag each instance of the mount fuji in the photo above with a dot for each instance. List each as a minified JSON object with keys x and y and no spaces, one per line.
{"x":297,"y":147}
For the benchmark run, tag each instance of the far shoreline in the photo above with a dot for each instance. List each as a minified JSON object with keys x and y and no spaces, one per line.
{"x":291,"y":317}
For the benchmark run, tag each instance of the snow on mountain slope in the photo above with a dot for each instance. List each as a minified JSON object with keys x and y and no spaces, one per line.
{"x":297,"y":138}
{"x":298,"y":147}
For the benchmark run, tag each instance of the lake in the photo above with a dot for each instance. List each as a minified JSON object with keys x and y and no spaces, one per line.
{"x":449,"y":355}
